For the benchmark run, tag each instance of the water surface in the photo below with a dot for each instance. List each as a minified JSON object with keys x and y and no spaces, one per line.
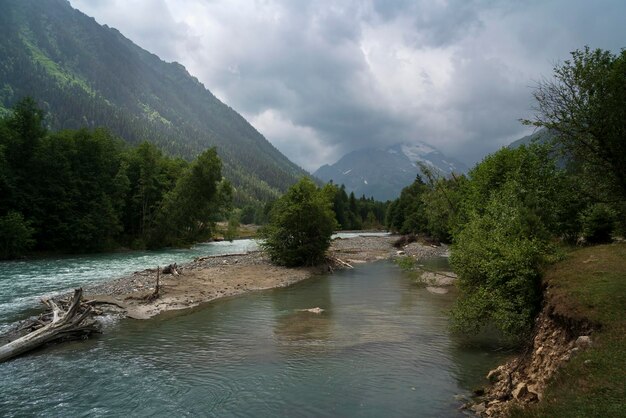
{"x":381,"y":348}
{"x":24,"y":282}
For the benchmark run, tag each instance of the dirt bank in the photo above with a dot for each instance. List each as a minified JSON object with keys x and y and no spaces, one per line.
{"x":574,"y":363}
{"x":523,"y":380}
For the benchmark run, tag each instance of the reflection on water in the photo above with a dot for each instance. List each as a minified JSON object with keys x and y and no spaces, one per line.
{"x":379,"y":348}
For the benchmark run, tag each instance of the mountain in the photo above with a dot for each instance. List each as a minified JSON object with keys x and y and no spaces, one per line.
{"x":384,"y":172}
{"x":87,"y":75}
{"x":541,"y":136}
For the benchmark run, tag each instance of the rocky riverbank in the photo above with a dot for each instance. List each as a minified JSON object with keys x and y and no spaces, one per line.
{"x":523,"y":380}
{"x":567,"y":325}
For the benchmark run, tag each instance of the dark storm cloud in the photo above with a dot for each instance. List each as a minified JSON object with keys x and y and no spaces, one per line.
{"x":320,"y":78}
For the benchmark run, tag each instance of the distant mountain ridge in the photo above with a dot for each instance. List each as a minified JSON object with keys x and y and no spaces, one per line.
{"x":384,"y":172}
{"x":85,"y":74}
{"x":541,"y":136}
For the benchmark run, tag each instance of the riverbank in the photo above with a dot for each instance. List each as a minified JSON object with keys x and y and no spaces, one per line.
{"x":575,"y":364}
{"x":213,"y":277}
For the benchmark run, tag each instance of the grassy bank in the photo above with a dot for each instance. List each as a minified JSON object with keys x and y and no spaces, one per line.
{"x":590,"y":285}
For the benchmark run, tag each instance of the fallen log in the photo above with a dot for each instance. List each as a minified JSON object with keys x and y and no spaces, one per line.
{"x":66,"y":323}
{"x":341,"y":262}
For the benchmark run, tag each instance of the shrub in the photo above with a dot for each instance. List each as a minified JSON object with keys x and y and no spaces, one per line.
{"x":598,"y":222}
{"x":15,"y":235}
{"x":300,"y":227}
{"x":497,"y":257}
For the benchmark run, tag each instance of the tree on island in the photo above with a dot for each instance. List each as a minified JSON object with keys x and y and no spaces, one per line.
{"x":300,"y":227}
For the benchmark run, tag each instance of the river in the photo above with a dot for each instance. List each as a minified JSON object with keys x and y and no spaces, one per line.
{"x":380,"y":348}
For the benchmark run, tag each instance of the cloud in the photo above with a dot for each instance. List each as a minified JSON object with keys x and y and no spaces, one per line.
{"x":320,"y":78}
{"x":298,"y":143}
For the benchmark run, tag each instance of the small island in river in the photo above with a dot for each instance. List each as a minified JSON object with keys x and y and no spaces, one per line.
{"x":213,"y":277}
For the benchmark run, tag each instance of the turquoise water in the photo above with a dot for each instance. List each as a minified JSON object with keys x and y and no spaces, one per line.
{"x":23,"y":282}
{"x":381,"y":348}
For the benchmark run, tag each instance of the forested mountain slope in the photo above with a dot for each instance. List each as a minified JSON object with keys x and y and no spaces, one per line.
{"x":85,"y":74}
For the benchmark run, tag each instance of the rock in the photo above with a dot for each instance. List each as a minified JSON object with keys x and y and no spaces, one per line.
{"x":400,"y":252}
{"x":584,"y":341}
{"x":316,"y":310}
{"x":437,"y":290}
{"x":479,"y":408}
{"x":534,"y":391}
{"x":520,"y":391}
{"x":495,"y":374}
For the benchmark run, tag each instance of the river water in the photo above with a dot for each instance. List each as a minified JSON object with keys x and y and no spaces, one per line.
{"x":380,"y":348}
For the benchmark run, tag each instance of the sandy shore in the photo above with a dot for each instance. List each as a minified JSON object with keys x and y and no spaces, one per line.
{"x":209,"y":278}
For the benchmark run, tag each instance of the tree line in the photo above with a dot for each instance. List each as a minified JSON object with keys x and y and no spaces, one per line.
{"x":351,"y":213}
{"x":85,"y":190}
{"x":508,"y":216}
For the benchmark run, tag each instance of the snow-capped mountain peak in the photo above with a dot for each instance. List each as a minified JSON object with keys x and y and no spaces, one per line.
{"x":383,"y":172}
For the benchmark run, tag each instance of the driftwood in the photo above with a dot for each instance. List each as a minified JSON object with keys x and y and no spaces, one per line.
{"x":150,"y":297}
{"x":171,"y":269}
{"x":70,"y":322}
{"x":341,"y":262}
{"x":154,"y":295}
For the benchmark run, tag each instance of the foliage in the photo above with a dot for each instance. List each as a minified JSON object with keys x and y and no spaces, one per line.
{"x":233,"y":227}
{"x":248,"y":215}
{"x":88,"y":75}
{"x":497,"y":257}
{"x":15,"y":235}
{"x":406,"y":214}
{"x":189,"y":211}
{"x":585,"y":107}
{"x":301,"y":224}
{"x":405,"y":263}
{"x":352,"y":213}
{"x":598,"y":223}
{"x":591,"y":384}
{"x":85,"y":190}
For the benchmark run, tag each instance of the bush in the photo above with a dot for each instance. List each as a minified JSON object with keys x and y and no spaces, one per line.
{"x":300,"y":227}
{"x":15,"y":235}
{"x":598,"y":222}
{"x":497,"y":257}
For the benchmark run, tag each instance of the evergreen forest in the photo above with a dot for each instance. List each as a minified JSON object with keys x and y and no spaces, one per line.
{"x":86,"y":190}
{"x":83,"y":74}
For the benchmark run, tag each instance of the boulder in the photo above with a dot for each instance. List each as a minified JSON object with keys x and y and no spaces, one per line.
{"x":479,"y":408}
{"x":520,"y":391}
{"x":584,"y":341}
{"x":495,"y":374}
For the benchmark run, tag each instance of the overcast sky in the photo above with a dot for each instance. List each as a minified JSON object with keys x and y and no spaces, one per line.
{"x":321,"y":78}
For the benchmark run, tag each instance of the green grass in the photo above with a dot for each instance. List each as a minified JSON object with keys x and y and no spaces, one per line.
{"x":52,"y":68}
{"x":590,"y":284}
{"x":406,"y":263}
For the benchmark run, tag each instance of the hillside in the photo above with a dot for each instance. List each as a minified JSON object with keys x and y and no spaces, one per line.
{"x":574,"y":366}
{"x":383,"y":173}
{"x":541,"y":136}
{"x":85,"y":74}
